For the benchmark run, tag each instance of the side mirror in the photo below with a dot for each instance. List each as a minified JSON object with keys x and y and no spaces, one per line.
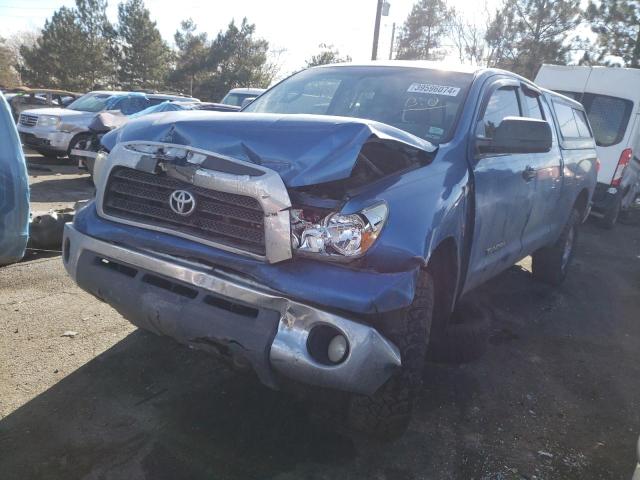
{"x":517,"y":135}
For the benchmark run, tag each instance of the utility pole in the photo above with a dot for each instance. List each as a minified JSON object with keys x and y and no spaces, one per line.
{"x":393,"y":37}
{"x":376,"y":31}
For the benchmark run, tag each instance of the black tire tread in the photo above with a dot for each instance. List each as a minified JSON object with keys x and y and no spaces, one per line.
{"x":612,"y":214}
{"x":546,"y":264}
{"x":386,"y":414}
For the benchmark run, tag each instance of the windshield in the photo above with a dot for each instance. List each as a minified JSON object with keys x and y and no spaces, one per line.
{"x":236,"y":99}
{"x":91,"y":102}
{"x":420,"y":101}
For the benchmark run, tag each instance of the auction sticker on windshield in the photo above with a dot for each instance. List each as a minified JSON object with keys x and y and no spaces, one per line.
{"x":433,"y":89}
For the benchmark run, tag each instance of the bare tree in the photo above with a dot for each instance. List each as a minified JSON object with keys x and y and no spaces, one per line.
{"x":468,"y":38}
{"x":27,"y":38}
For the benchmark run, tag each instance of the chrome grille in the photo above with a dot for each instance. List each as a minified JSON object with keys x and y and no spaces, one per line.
{"x":226,"y":218}
{"x":28,"y":120}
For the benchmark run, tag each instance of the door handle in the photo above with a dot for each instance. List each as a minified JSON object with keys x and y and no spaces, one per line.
{"x":529,"y":173}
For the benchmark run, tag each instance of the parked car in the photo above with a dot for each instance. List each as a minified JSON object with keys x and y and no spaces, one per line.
{"x":239,"y":96}
{"x":30,"y":98}
{"x":87,"y":149}
{"x":612,"y":100}
{"x":325,"y":234}
{"x":14,"y":191}
{"x":58,"y":131}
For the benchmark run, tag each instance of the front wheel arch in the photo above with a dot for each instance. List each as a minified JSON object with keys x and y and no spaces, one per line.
{"x":76,"y":137}
{"x":582,"y":204}
{"x":443,"y":265}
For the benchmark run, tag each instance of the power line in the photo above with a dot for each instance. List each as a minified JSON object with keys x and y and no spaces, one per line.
{"x":26,"y":8}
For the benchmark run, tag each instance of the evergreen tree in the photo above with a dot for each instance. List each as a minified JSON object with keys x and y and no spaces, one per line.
{"x":191,"y":54}
{"x":424,"y":30}
{"x":74,"y":51}
{"x":328,"y":54}
{"x":617,"y":23}
{"x":144,"y":59}
{"x":97,"y":42}
{"x":236,"y":59}
{"x":523,"y":34}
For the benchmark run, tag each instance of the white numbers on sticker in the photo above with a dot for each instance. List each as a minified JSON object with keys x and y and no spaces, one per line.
{"x":433,"y":89}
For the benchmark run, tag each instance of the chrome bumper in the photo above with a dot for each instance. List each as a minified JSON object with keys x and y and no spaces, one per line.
{"x":55,"y":140}
{"x":371,"y":358}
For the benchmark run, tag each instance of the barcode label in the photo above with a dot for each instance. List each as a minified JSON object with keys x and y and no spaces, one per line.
{"x":433,"y":89}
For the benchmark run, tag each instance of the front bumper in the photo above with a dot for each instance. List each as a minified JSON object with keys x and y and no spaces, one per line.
{"x":40,"y":138}
{"x":209,"y":309}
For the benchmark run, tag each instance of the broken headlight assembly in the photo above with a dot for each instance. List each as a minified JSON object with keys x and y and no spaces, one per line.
{"x":336,"y":236}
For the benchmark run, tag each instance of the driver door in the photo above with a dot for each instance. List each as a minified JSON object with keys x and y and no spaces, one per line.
{"x":503,"y":196}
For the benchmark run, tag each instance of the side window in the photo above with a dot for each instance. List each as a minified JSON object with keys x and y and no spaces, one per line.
{"x":566,"y":120}
{"x":502,"y":103}
{"x":583,"y":125}
{"x":532,"y":103}
{"x":156,"y":101}
{"x":133,"y":105}
{"x":547,"y":113}
{"x":609,"y":117}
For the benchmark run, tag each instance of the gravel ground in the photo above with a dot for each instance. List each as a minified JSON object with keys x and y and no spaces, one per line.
{"x":555,"y":397}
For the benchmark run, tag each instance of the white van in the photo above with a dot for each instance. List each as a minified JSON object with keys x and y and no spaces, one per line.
{"x":611,"y":97}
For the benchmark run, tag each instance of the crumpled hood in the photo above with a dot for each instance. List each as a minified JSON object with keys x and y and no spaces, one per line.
{"x":303,"y":149}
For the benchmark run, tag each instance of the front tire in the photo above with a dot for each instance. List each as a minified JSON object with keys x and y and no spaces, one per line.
{"x":80,"y":142}
{"x":550,"y":264}
{"x":386,"y":414}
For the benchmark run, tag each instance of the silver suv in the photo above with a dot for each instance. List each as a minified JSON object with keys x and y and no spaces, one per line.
{"x":56,"y":131}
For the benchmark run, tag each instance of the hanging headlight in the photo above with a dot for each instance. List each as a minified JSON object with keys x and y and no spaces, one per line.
{"x":336,"y":236}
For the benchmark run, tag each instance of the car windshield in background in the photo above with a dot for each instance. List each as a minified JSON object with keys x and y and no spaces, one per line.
{"x":420,"y":101}
{"x":93,"y":102}
{"x":608,"y":116}
{"x":236,"y":99}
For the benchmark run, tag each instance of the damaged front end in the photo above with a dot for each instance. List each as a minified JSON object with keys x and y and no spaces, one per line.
{"x":232,"y":234}
{"x":300,"y":171}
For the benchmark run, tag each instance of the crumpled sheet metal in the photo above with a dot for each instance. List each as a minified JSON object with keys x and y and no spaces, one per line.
{"x":303,"y":149}
{"x":14,"y":191}
{"x":361,"y":291}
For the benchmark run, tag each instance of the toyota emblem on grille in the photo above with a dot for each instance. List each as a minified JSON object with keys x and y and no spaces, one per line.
{"x":182,"y":202}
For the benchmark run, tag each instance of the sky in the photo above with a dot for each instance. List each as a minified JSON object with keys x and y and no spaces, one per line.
{"x":297,"y":26}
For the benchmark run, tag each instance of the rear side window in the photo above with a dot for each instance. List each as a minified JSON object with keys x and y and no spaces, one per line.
{"x":532,"y":102}
{"x":608,"y":116}
{"x":574,"y":95}
{"x":566,"y":120}
{"x":583,"y":125}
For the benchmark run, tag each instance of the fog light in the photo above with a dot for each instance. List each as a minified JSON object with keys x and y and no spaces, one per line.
{"x":337,"y":349}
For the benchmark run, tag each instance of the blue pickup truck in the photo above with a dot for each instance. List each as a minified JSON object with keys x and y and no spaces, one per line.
{"x":325,"y":234}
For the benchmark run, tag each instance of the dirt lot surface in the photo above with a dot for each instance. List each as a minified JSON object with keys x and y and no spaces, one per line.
{"x":556,"y":396}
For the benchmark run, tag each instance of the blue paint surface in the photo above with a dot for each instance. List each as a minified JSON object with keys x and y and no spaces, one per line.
{"x":482,"y":209}
{"x":361,"y":291}
{"x":14,"y":191}
{"x":303,"y":149}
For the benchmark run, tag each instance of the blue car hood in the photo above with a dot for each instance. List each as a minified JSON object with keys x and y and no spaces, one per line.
{"x":303,"y":149}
